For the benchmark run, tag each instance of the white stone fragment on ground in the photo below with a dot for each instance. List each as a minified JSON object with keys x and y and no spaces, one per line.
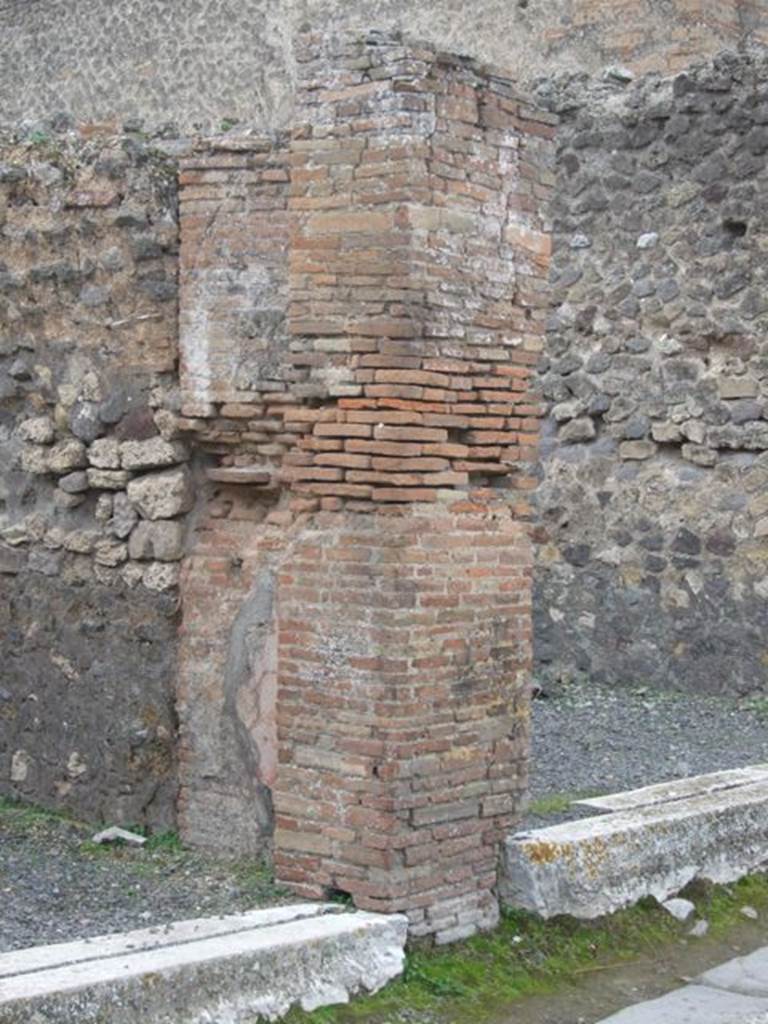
{"x":750,"y":912}
{"x":618,"y":73}
{"x":114,"y":833}
{"x":679,"y":908}
{"x":700,"y":929}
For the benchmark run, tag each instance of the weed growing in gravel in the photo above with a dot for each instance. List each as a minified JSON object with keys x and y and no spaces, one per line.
{"x":757,"y":705}
{"x":255,"y":880}
{"x":526,"y":956}
{"x":27,"y":816}
{"x":165,"y":842}
{"x":557,"y":803}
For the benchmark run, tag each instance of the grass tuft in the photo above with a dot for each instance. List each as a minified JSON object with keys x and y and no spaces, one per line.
{"x":557,"y":803}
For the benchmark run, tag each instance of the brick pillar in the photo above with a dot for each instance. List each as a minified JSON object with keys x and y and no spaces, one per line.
{"x":403,"y":652}
{"x":417,"y":297}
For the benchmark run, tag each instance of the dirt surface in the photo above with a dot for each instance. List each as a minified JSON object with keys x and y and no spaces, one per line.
{"x":55,"y":884}
{"x":596,"y":994}
{"x":590,"y":739}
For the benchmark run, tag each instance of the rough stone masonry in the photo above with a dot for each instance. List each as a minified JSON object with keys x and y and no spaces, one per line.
{"x":653,"y":528}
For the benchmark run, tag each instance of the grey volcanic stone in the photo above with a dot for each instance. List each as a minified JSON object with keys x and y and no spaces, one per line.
{"x":113,"y":407}
{"x":84,"y":421}
{"x":582,"y":429}
{"x":124,"y":516}
{"x":74,"y":483}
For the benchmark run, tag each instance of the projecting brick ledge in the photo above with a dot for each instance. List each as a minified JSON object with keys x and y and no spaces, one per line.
{"x":594,"y":866}
{"x":245,"y":967}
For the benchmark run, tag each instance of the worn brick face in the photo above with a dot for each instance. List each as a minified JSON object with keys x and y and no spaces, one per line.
{"x":403,"y":651}
{"x":362,"y":306}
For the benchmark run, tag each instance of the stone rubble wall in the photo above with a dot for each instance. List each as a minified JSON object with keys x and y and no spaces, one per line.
{"x":653,"y":509}
{"x":94,"y":487}
{"x":208,"y":62}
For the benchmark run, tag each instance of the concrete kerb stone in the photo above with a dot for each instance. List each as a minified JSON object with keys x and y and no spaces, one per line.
{"x":234,"y":969}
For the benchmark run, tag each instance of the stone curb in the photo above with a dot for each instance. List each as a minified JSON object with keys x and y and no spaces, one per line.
{"x":229,"y":970}
{"x":597,"y":865}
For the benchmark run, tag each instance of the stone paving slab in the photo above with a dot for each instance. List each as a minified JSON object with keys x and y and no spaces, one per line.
{"x":695,"y":1004}
{"x":228,"y":970}
{"x":747,"y":975}
{"x":594,"y":866}
{"x":676,"y":789}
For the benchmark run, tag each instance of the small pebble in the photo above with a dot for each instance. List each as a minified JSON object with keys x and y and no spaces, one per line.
{"x":750,"y":912}
{"x":700,"y":929}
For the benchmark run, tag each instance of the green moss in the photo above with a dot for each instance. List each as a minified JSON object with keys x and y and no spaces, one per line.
{"x":476,"y":979}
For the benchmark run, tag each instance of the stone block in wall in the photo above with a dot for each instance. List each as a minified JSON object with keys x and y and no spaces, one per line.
{"x":163,"y":541}
{"x":162,"y":495}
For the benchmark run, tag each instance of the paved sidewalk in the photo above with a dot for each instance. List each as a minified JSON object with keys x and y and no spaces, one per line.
{"x":736,"y":992}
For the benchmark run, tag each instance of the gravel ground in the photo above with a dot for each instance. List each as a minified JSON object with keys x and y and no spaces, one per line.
{"x":589,"y":739}
{"x":57,"y":885}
